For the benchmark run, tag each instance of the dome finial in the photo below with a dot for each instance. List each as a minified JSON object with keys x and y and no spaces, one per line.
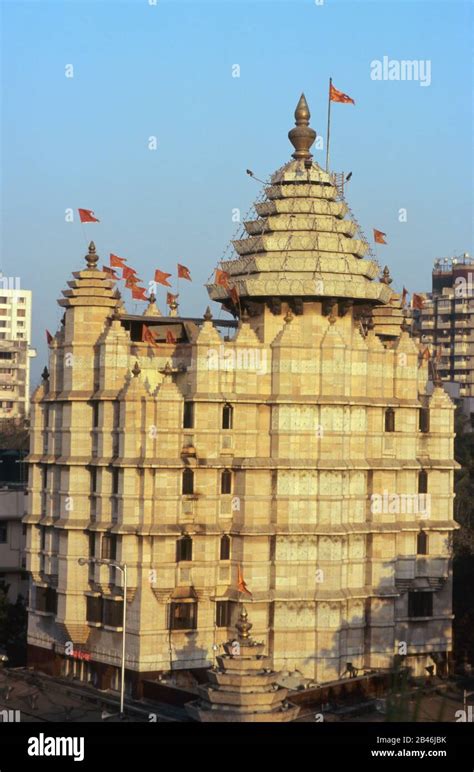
{"x":92,"y":258}
{"x":302,"y":136}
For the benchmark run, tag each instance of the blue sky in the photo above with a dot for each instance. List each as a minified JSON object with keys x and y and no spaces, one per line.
{"x":165,"y":70}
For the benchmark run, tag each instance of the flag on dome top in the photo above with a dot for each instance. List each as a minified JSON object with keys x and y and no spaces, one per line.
{"x":404,"y":295}
{"x":170,"y":337}
{"x":379,"y":236}
{"x":117,"y":262}
{"x":241,"y":585}
{"x":338,"y":96}
{"x":417,"y":301}
{"x":127,"y":272}
{"x":183,"y":272}
{"x":87,"y":215}
{"x":170,"y":298}
{"x":49,"y":337}
{"x":222,"y":278}
{"x":161,"y":277}
{"x":147,"y":336}
{"x":132,"y":282}
{"x":138,"y":293}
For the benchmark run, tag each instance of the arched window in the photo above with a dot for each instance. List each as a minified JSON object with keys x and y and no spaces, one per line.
{"x":423,"y":481}
{"x":227,"y":416}
{"x":226,"y":481}
{"x":421,"y":543}
{"x":424,"y":420}
{"x":390,"y":419}
{"x":188,"y":415}
{"x":184,"y":549}
{"x":225,"y":547}
{"x":188,"y":482}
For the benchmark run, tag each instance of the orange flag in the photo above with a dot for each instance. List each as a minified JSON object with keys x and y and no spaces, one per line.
{"x":127,"y":272}
{"x":138,"y":293}
{"x":234,"y":295}
{"x":132,"y":282}
{"x":161,"y":277}
{"x":222,"y":278}
{"x":147,"y":336}
{"x":339,"y":96}
{"x":183,"y":272}
{"x":170,"y":337}
{"x":49,"y":337}
{"x":87,"y":215}
{"x":109,"y":271}
{"x":404,"y":295}
{"x":379,"y":236}
{"x":241,"y":586}
{"x":426,"y":356}
{"x":170,"y":298}
{"x":417,"y":301}
{"x":117,"y":262}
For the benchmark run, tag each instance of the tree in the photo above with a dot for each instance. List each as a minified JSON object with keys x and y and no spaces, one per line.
{"x":14,"y":434}
{"x":463,"y":541}
{"x":13,"y":627}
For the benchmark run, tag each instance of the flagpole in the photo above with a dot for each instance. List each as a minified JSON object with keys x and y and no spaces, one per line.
{"x":177,"y":284}
{"x":329,"y":125}
{"x":84,"y":234}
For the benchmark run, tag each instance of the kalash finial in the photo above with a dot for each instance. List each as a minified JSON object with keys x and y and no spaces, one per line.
{"x":386,"y":278}
{"x":243,"y":625}
{"x":91,"y":258}
{"x":302,"y":136}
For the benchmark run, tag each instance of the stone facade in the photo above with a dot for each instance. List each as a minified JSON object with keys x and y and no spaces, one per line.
{"x":301,"y":446}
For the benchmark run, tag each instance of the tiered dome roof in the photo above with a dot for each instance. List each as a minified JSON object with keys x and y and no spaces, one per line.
{"x":91,"y":287}
{"x":303,"y":243}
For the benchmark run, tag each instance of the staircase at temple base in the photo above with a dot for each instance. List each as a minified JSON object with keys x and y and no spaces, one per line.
{"x":242,"y":687}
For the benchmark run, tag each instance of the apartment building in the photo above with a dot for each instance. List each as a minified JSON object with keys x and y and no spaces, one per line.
{"x":15,"y":349}
{"x":446,"y":324}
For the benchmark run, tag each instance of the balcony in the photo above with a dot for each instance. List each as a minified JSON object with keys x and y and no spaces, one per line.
{"x":188,"y":448}
{"x":422,"y":572}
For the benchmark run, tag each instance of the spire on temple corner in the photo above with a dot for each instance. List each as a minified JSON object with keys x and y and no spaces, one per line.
{"x":302,"y":136}
{"x":152,"y":309}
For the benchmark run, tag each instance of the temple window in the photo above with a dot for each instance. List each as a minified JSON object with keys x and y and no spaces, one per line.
{"x":184,"y":549}
{"x":390,"y":419}
{"x":188,"y":482}
{"x":227,"y":416}
{"x":226,"y":481}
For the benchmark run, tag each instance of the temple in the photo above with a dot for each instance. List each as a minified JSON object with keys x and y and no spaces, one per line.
{"x":297,"y":443}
